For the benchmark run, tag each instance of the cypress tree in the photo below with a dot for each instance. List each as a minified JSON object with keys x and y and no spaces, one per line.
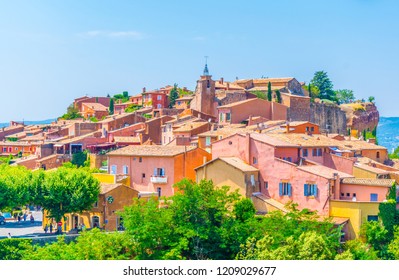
{"x":173,"y":95}
{"x":111,"y":106}
{"x":310,"y":91}
{"x":278,"y":96}
{"x":269,"y":91}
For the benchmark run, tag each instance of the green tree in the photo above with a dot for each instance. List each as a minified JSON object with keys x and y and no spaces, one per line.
{"x":90,"y":245}
{"x":371,"y":99}
{"x":14,"y":186}
{"x":278,"y":96}
{"x":269,"y":92}
{"x":72,"y":113}
{"x":324,"y":84}
{"x":173,"y":95}
{"x":14,"y":248}
{"x":68,"y":191}
{"x":125,"y":95}
{"x":79,"y":158}
{"x":344,"y":96}
{"x":111,"y":106}
{"x":260,"y":94}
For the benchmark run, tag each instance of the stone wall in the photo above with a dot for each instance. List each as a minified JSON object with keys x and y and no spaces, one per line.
{"x":299,"y":108}
{"x":328,"y":116}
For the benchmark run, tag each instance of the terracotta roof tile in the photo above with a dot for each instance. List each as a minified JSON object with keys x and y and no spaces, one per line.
{"x":151,"y":150}
{"x":323,"y":171}
{"x":369,"y":182}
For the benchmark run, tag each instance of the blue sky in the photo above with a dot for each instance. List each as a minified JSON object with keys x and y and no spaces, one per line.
{"x":54,"y":51}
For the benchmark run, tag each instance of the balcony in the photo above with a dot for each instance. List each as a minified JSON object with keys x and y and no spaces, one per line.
{"x":159,"y":179}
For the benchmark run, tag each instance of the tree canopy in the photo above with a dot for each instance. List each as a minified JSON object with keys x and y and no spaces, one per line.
{"x":173,"y":95}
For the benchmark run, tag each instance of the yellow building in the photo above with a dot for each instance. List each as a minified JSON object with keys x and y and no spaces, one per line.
{"x":230,"y":171}
{"x":115,"y":194}
{"x":358,"y":212}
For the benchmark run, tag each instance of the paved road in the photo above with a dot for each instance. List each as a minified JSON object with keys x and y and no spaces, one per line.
{"x":22,"y":228}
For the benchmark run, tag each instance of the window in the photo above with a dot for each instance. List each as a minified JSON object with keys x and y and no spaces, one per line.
{"x":140,"y":159}
{"x":4,"y":150}
{"x":208,"y":84}
{"x":95,"y":222}
{"x":319,"y":152}
{"x":113,"y":169}
{"x":307,"y":128}
{"x":310,"y":190}
{"x":378,"y":155}
{"x":314,"y":152}
{"x":207,"y":141}
{"x":254,"y":160}
{"x":125,"y":170}
{"x":178,"y":102}
{"x":285,"y":189}
{"x":372,"y":218}
{"x":373,"y":197}
{"x":312,"y":129}
{"x":159,"y":97}
{"x":159,"y":191}
{"x":266,"y":185}
{"x":159,"y":172}
{"x":305,"y":152}
{"x":348,"y":194}
{"x":95,"y":204}
{"x":253,"y":180}
{"x":342,"y":194}
{"x":17,"y":149}
{"x":221,"y":117}
{"x":143,"y":175}
{"x":159,"y":106}
{"x":228,"y":117}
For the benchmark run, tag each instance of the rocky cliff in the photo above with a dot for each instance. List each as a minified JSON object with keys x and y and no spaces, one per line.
{"x":361,"y":116}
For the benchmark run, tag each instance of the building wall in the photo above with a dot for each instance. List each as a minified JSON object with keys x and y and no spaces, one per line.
{"x":357,"y":213}
{"x":5,"y":131}
{"x":185,"y":164}
{"x":361,"y":173}
{"x":137,"y":169}
{"x":299,"y":107}
{"x":339,"y":163}
{"x":363,"y":192}
{"x":287,"y":152}
{"x":223,"y":174}
{"x":330,"y":116}
{"x":383,"y":154}
{"x":273,"y":171}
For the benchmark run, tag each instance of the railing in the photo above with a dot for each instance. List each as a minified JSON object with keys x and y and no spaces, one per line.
{"x":159,"y":179}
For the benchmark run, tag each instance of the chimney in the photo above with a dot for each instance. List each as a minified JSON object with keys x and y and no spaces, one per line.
{"x":221,"y":80}
{"x":143,"y":89}
{"x":227,"y":86}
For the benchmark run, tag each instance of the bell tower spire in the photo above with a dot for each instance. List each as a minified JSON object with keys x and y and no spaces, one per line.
{"x":206,"y":71}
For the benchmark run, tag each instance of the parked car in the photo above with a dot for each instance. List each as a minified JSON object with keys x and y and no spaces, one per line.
{"x":2,"y":220}
{"x":7,"y":216}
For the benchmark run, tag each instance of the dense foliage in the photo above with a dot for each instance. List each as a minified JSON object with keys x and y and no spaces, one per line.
{"x":72,"y":113}
{"x":202,"y":222}
{"x":65,"y":190}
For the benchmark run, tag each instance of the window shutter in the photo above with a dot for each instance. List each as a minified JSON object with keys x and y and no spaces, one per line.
{"x":155,"y":171}
{"x":280,"y":189}
{"x":289,"y":189}
{"x":315,"y":190}
{"x":305,"y":190}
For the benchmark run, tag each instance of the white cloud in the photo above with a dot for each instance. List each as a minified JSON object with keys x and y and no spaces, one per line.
{"x":113,"y":34}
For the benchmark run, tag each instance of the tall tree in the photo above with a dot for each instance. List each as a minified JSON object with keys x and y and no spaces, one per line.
{"x":324,"y":84}
{"x":68,"y":190}
{"x":278,"y":96}
{"x":173,"y":95}
{"x":111,"y":106}
{"x":269,"y":91}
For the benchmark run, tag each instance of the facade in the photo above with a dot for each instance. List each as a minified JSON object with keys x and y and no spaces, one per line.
{"x":96,"y":110}
{"x":239,"y":112}
{"x":204,"y":96}
{"x":155,"y":169}
{"x":235,"y":173}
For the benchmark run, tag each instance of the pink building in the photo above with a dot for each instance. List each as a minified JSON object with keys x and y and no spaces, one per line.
{"x":155,"y":169}
{"x":240,"y":111}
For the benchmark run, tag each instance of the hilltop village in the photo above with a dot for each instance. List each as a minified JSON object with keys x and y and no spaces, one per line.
{"x":286,"y":149}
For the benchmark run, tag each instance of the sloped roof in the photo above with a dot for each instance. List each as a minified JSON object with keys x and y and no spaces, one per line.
{"x":369,"y":182}
{"x":151,"y":150}
{"x":323,"y":171}
{"x":238,"y":163}
{"x":95,"y":106}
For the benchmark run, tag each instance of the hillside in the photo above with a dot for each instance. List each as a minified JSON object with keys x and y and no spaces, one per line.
{"x":361,"y":116}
